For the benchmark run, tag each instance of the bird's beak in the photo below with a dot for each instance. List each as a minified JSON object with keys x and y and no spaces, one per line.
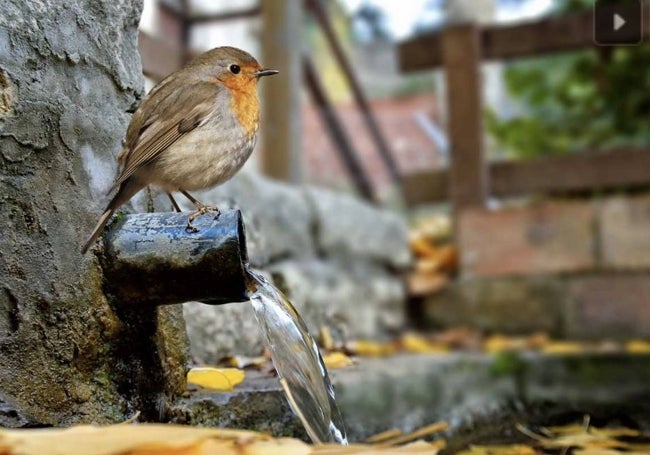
{"x":265,"y":72}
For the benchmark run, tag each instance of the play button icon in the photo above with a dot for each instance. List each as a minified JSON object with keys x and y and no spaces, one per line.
{"x":617,"y":24}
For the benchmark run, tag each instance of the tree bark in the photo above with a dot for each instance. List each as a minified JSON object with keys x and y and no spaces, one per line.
{"x":70,"y":74}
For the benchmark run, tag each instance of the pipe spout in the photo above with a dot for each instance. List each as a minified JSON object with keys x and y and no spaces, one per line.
{"x":150,"y":259}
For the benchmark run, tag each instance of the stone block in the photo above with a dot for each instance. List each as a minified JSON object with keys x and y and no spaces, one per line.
{"x":346,"y":226}
{"x":218,"y":331}
{"x":356,"y":299}
{"x":511,"y":305}
{"x":547,"y":238}
{"x":609,"y":305}
{"x":625,"y":232}
{"x":278,"y":217}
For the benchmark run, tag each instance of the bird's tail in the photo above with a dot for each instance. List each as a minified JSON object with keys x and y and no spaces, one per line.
{"x":98,"y":229}
{"x":125,"y":192}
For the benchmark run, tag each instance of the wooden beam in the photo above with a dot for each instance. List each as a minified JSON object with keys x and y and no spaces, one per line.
{"x":556,"y":34}
{"x":281,"y":113}
{"x":468,"y":167}
{"x":334,"y":127}
{"x":159,"y":58}
{"x":320,"y":13}
{"x":588,"y":171}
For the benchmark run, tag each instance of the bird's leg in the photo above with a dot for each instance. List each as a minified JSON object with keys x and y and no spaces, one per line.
{"x":200,"y":210}
{"x":173,"y":201}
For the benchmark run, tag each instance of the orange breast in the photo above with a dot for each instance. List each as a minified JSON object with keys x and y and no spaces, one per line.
{"x":245,"y":106}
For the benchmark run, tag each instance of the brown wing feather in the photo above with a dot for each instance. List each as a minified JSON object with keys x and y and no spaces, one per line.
{"x":159,"y":125}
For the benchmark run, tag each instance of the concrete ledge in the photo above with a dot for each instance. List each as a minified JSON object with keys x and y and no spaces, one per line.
{"x":409,"y":391}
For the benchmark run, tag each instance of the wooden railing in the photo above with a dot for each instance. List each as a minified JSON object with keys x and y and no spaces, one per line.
{"x":471,"y":179}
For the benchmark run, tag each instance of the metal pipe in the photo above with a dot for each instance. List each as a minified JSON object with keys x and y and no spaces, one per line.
{"x":150,"y":259}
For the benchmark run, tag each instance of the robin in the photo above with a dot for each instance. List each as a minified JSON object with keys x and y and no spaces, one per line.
{"x":194,"y":130}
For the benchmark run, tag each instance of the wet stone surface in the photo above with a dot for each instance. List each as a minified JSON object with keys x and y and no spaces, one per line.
{"x":480,"y":396}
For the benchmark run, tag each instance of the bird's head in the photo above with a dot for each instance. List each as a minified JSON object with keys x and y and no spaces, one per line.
{"x":232,"y":67}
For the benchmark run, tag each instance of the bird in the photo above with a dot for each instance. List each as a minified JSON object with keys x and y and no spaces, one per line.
{"x":194,"y":130}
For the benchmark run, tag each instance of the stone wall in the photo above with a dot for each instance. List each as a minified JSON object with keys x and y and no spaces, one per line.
{"x":337,"y":258}
{"x":576,"y":269}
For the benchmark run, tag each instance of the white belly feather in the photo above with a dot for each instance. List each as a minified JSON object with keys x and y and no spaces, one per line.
{"x":205,"y":157}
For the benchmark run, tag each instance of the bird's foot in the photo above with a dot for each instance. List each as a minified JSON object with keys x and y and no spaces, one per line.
{"x":201,"y":210}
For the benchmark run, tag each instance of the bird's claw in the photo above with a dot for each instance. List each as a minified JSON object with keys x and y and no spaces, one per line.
{"x":201,"y":210}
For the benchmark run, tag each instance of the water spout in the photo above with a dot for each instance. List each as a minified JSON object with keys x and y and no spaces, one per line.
{"x":150,"y":259}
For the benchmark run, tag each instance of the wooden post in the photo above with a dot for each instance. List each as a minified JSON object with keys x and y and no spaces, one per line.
{"x":468,"y":174}
{"x":335,"y":129}
{"x":282,"y":50}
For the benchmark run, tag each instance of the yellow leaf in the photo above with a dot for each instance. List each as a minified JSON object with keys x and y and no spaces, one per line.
{"x":600,"y":451}
{"x":221,"y":379}
{"x":325,"y":338}
{"x":562,"y":347}
{"x":145,"y":439}
{"x":370,"y":348}
{"x":500,"y":343}
{"x":515,"y":449}
{"x":573,"y":428}
{"x":638,"y":347}
{"x":384,"y":435}
{"x":615,"y":432}
{"x":583,"y":440}
{"x":337,"y":360}
{"x":418,"y":434}
{"x":412,"y":342}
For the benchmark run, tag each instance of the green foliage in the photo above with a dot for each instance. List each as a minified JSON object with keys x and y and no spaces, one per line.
{"x":593,"y":99}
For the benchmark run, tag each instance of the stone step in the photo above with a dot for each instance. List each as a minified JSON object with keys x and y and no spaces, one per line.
{"x":465,"y":390}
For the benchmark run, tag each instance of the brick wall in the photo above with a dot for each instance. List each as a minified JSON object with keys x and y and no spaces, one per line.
{"x":575,"y":269}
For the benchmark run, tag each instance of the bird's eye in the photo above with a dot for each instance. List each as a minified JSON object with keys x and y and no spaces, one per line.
{"x":234,"y":69}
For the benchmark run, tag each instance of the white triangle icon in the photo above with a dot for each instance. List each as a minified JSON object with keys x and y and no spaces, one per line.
{"x":618,"y":22}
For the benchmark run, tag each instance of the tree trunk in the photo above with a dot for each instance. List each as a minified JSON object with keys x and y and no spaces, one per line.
{"x":69,"y":76}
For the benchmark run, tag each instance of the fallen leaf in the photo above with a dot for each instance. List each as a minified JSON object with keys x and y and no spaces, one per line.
{"x":220,"y":379}
{"x":599,"y":451}
{"x":615,"y":432}
{"x":638,"y":347}
{"x":366,"y":348}
{"x":428,"y":430}
{"x":573,"y":428}
{"x":413,"y":342}
{"x":337,"y":360}
{"x":580,"y":436}
{"x":384,"y":435}
{"x":515,"y":449}
{"x":442,"y":259}
{"x":421,"y":246}
{"x":562,"y":347}
{"x":501,"y":343}
{"x":145,"y":439}
{"x":325,"y":339}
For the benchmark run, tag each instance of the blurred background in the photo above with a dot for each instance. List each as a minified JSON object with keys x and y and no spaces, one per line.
{"x":512,"y":147}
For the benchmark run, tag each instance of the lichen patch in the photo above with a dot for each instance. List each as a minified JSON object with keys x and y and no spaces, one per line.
{"x":7,"y":95}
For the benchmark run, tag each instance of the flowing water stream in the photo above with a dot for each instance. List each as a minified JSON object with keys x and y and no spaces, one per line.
{"x":298,"y":362}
